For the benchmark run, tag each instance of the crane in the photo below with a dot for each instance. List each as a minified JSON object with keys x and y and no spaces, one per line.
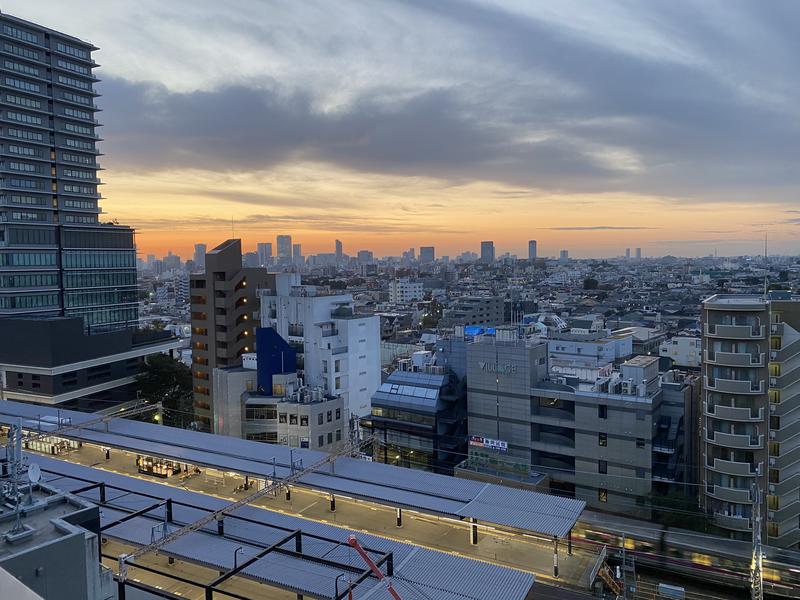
{"x":219,"y":514}
{"x":376,"y":571}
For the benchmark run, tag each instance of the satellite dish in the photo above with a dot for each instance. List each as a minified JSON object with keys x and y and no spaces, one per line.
{"x":34,"y":473}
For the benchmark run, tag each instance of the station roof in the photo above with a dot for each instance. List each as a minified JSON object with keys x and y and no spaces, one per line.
{"x":423,"y":573}
{"x":529,"y":511}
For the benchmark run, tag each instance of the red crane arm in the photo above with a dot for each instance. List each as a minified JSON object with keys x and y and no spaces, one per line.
{"x":378,"y":573}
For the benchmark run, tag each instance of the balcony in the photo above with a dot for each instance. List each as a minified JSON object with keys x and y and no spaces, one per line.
{"x":786,"y":513}
{"x":732,"y":522}
{"x":776,"y":329}
{"x":730,"y":467}
{"x":735,"y":359}
{"x":735,"y":332}
{"x":726,"y":494}
{"x":733,"y":440}
{"x":730,"y":413}
{"x":734,"y":386}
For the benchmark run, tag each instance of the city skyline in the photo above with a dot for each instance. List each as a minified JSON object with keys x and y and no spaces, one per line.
{"x":697,"y":160}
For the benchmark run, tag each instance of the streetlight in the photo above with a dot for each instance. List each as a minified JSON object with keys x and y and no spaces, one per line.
{"x":235,"y":553}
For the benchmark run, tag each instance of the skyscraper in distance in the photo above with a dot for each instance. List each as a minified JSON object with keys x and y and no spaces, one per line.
{"x":487,"y":252}
{"x":427,"y":254}
{"x":627,"y":252}
{"x":531,"y":249}
{"x":339,"y":251}
{"x":199,"y":257}
{"x":564,"y":255}
{"x":56,"y":258}
{"x":297,"y":254}
{"x":264,"y":250}
{"x":284,"y":248}
{"x":638,"y":254}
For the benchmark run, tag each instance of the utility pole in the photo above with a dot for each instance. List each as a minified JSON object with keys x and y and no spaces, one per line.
{"x":756,"y":573}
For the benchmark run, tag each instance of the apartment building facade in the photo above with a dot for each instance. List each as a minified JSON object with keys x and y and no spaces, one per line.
{"x":751,"y":414}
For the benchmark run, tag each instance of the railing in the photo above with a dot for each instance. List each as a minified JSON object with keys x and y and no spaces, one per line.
{"x":734,"y":440}
{"x":736,"y":332}
{"x":732,"y":522}
{"x":734,"y":386}
{"x":735,"y":359}
{"x":732,"y":413}
{"x":732,"y":467}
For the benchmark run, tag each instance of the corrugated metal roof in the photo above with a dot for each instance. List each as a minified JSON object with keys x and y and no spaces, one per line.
{"x":378,"y":482}
{"x":419,"y":573}
{"x":417,"y":378}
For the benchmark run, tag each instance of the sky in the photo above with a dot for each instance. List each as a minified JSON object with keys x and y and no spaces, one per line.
{"x":588,"y":126}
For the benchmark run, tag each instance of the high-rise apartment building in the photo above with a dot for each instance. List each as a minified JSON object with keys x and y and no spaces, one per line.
{"x":427,"y":254}
{"x":297,"y":255}
{"x":199,"y":257}
{"x":264,"y":250}
{"x":487,"y":252}
{"x":56,"y":258}
{"x":563,"y":255}
{"x":284,"y":245}
{"x":627,"y":253}
{"x":638,"y":254}
{"x":223,"y":303}
{"x":531,"y":249}
{"x":339,"y":252}
{"x":751,"y":414}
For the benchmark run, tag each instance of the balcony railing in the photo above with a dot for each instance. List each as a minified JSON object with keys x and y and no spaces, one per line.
{"x":733,"y":440}
{"x":734,"y":386}
{"x":726,"y":494}
{"x":732,"y":522}
{"x":731,"y":413}
{"x":730,"y":467}
{"x":735,"y":332}
{"x":735,"y":359}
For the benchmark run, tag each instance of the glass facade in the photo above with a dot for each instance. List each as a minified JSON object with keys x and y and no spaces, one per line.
{"x":55,"y":257}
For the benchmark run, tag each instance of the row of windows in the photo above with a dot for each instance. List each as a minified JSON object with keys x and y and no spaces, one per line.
{"x":21,"y":34}
{"x":28,"y":280}
{"x":23,"y":101}
{"x":73,"y":67}
{"x":79,"y":189}
{"x":74,"y":299}
{"x":83,"y":85}
{"x":28,"y":259}
{"x":79,"y":174}
{"x":78,"y":158}
{"x":260,"y":413}
{"x":21,"y":68}
{"x":78,"y":114}
{"x":104,"y":316}
{"x":79,"y":203}
{"x":22,"y":150}
{"x":77,"y":98}
{"x":29,"y":301}
{"x":32,"y":235}
{"x":27,"y":184}
{"x":24,"y":118}
{"x":321,"y":439}
{"x":78,"y":128}
{"x":28,"y":216}
{"x":98,"y":260}
{"x":20,"y":166}
{"x":72,"y":51}
{"x":81,"y":219}
{"x":24,"y":200}
{"x":20,"y":51}
{"x":121,"y":238}
{"x":23,"y":134}
{"x":84,"y":279}
{"x":21,"y":84}
{"x":82,"y":144}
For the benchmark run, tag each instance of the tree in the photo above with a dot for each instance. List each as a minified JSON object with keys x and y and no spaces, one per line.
{"x":590,"y":283}
{"x":169,"y":381}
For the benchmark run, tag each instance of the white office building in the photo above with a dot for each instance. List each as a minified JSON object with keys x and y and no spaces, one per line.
{"x":338,"y":350}
{"x":405,"y":290}
{"x":684,"y":350}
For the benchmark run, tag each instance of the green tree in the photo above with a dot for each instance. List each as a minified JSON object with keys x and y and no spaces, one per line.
{"x":590,"y":283}
{"x":169,"y":381}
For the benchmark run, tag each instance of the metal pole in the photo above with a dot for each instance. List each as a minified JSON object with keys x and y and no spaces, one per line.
{"x":235,"y":553}
{"x":555,"y":557}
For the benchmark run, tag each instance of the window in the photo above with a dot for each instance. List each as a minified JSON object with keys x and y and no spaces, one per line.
{"x":72,"y":51}
{"x":338,"y":435}
{"x":602,"y":495}
{"x":20,"y":51}
{"x":282,"y":418}
{"x":77,"y":98}
{"x":338,"y":413}
{"x":21,"y":34}
{"x":79,"y":174}
{"x":28,"y":184}
{"x":640,"y":415}
{"x":602,"y":411}
{"x":320,"y":419}
{"x":78,"y":128}
{"x":21,"y":68}
{"x":602,"y":439}
{"x":21,"y":84}
{"x":330,"y":437}
{"x":640,"y":472}
{"x":330,"y":416}
{"x":321,"y":441}
{"x":79,"y":189}
{"x":23,"y":101}
{"x":78,"y":114}
{"x":18,"y":166}
{"x":24,"y":118}
{"x":86,"y":204}
{"x":25,"y":135}
{"x":640,"y":443}
{"x":21,"y":150}
{"x":84,"y":85}
{"x":70,"y":66}
{"x":78,"y":158}
{"x":602,"y":467}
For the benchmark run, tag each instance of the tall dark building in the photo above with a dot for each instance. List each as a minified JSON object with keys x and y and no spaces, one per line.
{"x":56,"y":258}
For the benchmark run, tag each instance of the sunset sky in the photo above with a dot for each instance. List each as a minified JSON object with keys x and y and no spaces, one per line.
{"x":591,"y":126}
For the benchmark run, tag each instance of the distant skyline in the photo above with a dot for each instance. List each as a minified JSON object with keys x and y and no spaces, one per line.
{"x":587,"y":126}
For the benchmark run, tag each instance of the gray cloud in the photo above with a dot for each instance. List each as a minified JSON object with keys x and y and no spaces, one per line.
{"x":716,"y":123}
{"x":597,"y":228}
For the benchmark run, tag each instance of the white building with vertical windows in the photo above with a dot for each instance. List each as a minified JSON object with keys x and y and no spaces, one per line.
{"x":338,"y":351}
{"x":405,"y":290}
